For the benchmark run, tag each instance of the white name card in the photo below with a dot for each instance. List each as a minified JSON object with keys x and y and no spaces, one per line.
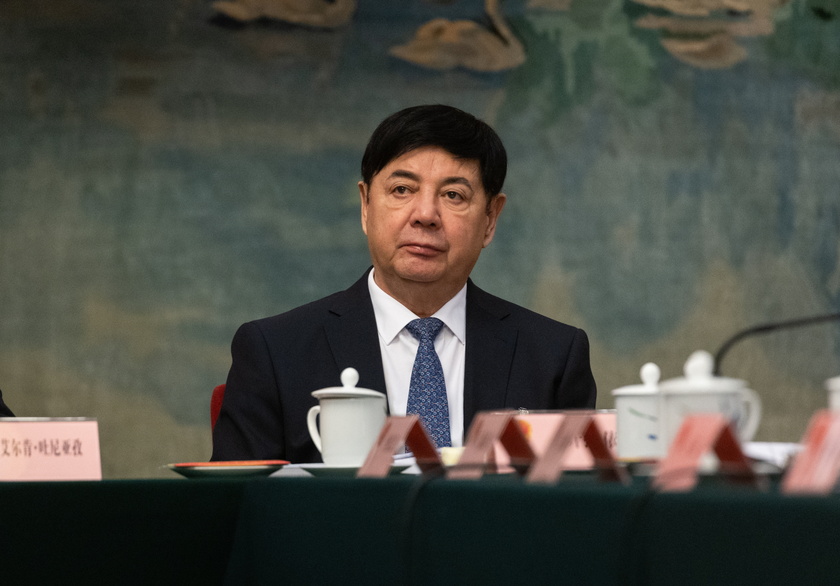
{"x":43,"y":448}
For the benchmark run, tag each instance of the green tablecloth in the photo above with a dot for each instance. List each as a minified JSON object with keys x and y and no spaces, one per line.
{"x":735,"y":537}
{"x":117,"y":532}
{"x":402,"y":530}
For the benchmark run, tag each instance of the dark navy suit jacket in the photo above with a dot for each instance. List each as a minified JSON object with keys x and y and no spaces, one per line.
{"x":4,"y":411}
{"x":515,"y":358}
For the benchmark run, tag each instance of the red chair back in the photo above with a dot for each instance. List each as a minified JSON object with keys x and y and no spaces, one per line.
{"x":216,"y":404}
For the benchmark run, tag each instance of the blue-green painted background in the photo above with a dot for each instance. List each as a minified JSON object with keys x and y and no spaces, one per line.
{"x":165,"y":176}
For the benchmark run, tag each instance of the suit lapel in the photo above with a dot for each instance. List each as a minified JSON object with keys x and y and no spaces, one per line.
{"x":354,"y":341}
{"x":353,"y":337}
{"x":489,"y":354}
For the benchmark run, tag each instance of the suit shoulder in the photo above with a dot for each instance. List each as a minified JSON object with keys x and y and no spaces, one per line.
{"x":298,"y":314}
{"x":310,"y":314}
{"x":519,"y":316}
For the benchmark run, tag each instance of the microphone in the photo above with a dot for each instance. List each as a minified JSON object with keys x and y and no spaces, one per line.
{"x":767,"y":328}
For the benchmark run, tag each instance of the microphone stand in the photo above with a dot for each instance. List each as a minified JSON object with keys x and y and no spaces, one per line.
{"x":770,"y":327}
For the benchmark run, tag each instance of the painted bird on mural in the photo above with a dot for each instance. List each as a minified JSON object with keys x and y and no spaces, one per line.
{"x":314,"y":13}
{"x":447,"y":44}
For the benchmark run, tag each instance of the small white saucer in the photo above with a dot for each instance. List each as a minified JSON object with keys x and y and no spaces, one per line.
{"x":319,"y":469}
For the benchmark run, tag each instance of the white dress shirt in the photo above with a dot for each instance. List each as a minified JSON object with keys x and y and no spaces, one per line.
{"x":399,"y":349}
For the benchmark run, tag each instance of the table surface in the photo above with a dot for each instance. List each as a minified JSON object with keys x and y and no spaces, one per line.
{"x":411,"y":530}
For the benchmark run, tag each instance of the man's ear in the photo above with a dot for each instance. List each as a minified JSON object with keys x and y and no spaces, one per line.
{"x":364,"y":196}
{"x":494,"y":209}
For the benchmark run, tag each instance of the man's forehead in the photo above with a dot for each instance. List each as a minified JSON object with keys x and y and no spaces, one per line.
{"x":403,"y":165}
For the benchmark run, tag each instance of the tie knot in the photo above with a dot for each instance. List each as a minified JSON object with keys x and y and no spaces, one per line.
{"x":425,"y":328}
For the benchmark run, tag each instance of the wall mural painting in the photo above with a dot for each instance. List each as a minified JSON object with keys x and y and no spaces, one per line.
{"x":709,"y":37}
{"x":314,"y":13}
{"x":170,"y":170}
{"x":446,"y":44}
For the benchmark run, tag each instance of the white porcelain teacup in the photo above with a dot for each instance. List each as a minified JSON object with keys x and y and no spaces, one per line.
{"x":638,"y":419}
{"x":349,"y":419}
{"x":832,"y":385}
{"x":699,"y":391}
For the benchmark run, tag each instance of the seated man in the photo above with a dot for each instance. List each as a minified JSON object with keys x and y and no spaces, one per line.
{"x":4,"y":411}
{"x":430,"y":199}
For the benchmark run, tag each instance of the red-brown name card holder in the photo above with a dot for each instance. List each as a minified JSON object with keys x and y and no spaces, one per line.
{"x":699,"y":435}
{"x":488,"y":428}
{"x":400,"y":431}
{"x":549,"y":466}
{"x":42,"y":448}
{"x":816,"y":468}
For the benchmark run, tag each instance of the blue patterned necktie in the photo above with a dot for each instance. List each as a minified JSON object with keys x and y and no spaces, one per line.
{"x":427,"y":390}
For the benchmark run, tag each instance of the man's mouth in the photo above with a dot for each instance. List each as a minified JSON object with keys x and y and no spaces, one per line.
{"x":422,"y":249}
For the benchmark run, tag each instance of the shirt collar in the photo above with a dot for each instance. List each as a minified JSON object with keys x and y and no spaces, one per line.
{"x":392,"y":316}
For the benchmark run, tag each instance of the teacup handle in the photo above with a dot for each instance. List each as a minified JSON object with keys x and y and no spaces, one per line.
{"x":750,"y":425}
{"x":313,"y":429}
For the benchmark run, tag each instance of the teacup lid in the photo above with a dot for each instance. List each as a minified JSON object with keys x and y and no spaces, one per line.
{"x":833,"y":384}
{"x":699,"y":376}
{"x":649,"y":373}
{"x":348,"y":390}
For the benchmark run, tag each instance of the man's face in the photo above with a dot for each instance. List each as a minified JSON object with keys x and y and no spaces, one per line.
{"x":426,"y":218}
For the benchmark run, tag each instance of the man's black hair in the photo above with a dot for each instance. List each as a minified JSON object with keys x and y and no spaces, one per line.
{"x":455,"y":131}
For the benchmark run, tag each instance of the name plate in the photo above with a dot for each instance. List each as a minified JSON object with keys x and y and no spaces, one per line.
{"x":540,"y":428}
{"x":572,"y":428}
{"x":399,"y":430}
{"x":486,"y":431}
{"x":36,"y":448}
{"x":816,"y":468}
{"x":702,"y":434}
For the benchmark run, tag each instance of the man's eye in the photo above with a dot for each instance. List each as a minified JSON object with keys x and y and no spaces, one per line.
{"x":454,"y":195}
{"x":401,"y":189}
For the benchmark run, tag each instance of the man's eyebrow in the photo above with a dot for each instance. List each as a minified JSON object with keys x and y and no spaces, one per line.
{"x":447,"y":181}
{"x":459,"y":180}
{"x":404,"y":175}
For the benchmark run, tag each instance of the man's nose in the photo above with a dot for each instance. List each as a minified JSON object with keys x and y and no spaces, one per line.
{"x":426,"y":210}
